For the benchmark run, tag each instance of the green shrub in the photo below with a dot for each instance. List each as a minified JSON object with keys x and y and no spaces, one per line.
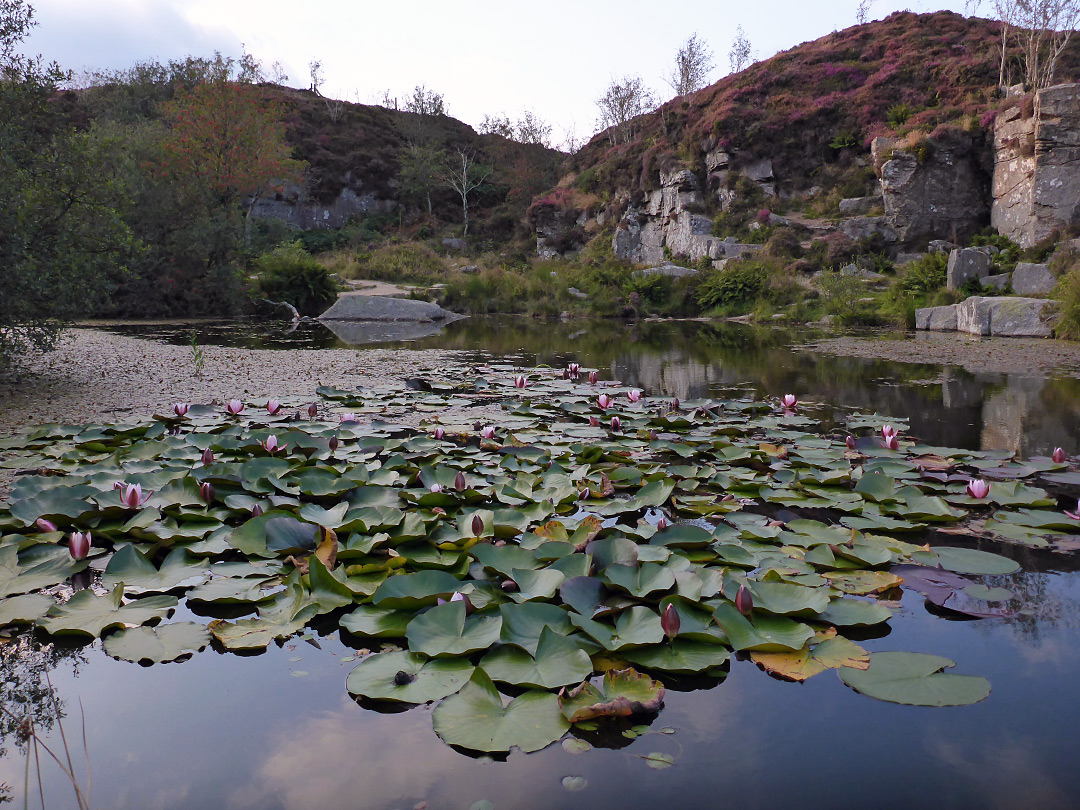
{"x":840,"y":295}
{"x":289,"y":273}
{"x":736,"y":287}
{"x":653,"y":290}
{"x":925,"y":275}
{"x":1068,"y":292}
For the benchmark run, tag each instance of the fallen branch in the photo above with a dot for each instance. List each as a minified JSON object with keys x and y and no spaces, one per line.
{"x":286,"y":304}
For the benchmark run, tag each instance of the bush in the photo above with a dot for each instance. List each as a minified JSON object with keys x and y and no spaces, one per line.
{"x":736,"y":287}
{"x":1068,"y":292}
{"x":289,"y":273}
{"x":924,"y":275}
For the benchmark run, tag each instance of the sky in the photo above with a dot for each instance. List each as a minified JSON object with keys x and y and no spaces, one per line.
{"x":486,"y":57}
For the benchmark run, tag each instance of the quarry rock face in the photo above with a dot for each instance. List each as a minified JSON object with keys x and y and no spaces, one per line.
{"x":998,"y":317}
{"x":1037,"y":166}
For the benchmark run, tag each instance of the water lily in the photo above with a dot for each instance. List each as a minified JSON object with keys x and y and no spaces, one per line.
{"x":850,"y":442}
{"x":270,"y":444}
{"x":744,"y":602}
{"x":488,"y":432}
{"x":439,"y":434}
{"x":436,"y":488}
{"x":79,"y":545}
{"x":616,"y":423}
{"x":789,"y":401}
{"x":207,"y":457}
{"x":347,"y":417}
{"x":459,"y":482}
{"x":978,"y":488}
{"x":574,"y":370}
{"x":234,"y":407}
{"x":457,"y":596}
{"x":206,"y":492}
{"x":313,"y":410}
{"x":273,"y":406}
{"x":45,"y":525}
{"x":634,"y":394}
{"x":1058,"y":456}
{"x":675,"y":404}
{"x":594,"y":421}
{"x":181,"y":409}
{"x":520,"y":381}
{"x":583,"y":494}
{"x":133,"y":497}
{"x":256,"y":510}
{"x":661,"y":524}
{"x":594,"y":378}
{"x":669,"y":621}
{"x":1074,"y":515}
{"x":887,"y":431}
{"x":892,"y":442}
{"x":333,"y":443}
{"x":604,"y":402}
{"x":477,"y":525}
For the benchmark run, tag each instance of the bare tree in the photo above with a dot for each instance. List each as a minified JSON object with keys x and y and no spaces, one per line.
{"x":531,"y":128}
{"x":572,"y":142}
{"x":334,"y":108}
{"x":464,"y":175}
{"x":862,"y":12}
{"x":741,"y":51}
{"x":316,"y":71}
{"x":425,"y":102}
{"x":1040,"y":28}
{"x":693,"y":63}
{"x":278,"y":74}
{"x":623,"y":102}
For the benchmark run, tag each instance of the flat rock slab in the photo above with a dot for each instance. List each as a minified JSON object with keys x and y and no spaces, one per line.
{"x":380,"y":308}
{"x":936,"y":319}
{"x":1033,"y":279}
{"x":1003,"y":316}
{"x":667,"y":269}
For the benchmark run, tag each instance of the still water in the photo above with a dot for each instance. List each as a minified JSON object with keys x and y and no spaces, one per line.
{"x":279,"y":730}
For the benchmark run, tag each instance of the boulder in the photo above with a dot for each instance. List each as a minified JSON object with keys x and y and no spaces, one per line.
{"x":866,"y":227}
{"x":666,"y":269}
{"x":452,"y":243}
{"x":998,"y":282}
{"x":966,"y":264}
{"x":940,"y":246}
{"x":1033,"y":279}
{"x":855,"y":206}
{"x":1005,"y":316}
{"x":352,"y":307}
{"x":759,"y":171}
{"x":936,"y":319}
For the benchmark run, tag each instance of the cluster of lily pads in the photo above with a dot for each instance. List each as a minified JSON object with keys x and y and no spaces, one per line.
{"x":574,"y":553}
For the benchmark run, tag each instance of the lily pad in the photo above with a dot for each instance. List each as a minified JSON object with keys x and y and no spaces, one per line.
{"x":915,"y":679}
{"x":86,"y":614}
{"x":559,"y":661}
{"x":623,"y":693}
{"x":156,"y":645}
{"x":408,"y":678}
{"x":445,"y":630}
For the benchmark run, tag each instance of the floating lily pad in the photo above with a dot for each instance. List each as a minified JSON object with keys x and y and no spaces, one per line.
{"x":86,"y":614}
{"x":559,"y":661}
{"x":623,"y":693}
{"x":445,"y":630}
{"x":407,"y":677}
{"x":156,"y":645}
{"x":915,"y":679}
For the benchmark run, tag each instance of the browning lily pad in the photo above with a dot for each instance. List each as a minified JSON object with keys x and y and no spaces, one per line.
{"x":624,"y":692}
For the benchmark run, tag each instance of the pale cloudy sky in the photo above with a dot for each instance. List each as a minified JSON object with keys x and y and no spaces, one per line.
{"x":555,"y":57}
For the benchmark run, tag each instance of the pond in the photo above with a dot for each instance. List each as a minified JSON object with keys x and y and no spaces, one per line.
{"x":279,"y":729}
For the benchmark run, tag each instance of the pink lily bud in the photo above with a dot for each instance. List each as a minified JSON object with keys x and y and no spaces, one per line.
{"x":887,"y":431}
{"x":669,"y":621}
{"x":270,"y":445}
{"x":594,"y":421}
{"x":436,"y":488}
{"x":45,"y":525}
{"x":1074,"y":515}
{"x":207,"y":457}
{"x":133,"y":496}
{"x":459,"y":482}
{"x":574,"y":371}
{"x":439,"y":433}
{"x":661,"y":524}
{"x":206,"y":492}
{"x":118,"y":485}
{"x":616,"y":423}
{"x":789,"y":401}
{"x":594,"y":378}
{"x":566,"y":374}
{"x":181,"y":409}
{"x":604,"y":402}
{"x":634,"y":394}
{"x":313,"y":410}
{"x":477,"y":525}
{"x":346,"y":417}
{"x":850,"y":442}
{"x":333,"y":443}
{"x":488,"y":432}
{"x":234,"y":407}
{"x":79,"y":545}
{"x":477,"y":425}
{"x":675,"y":404}
{"x":744,"y":602}
{"x":520,"y":381}
{"x":256,"y":510}
{"x":273,"y":406}
{"x":978,"y":488}
{"x":892,"y":442}
{"x":653,"y":435}
{"x":1058,"y":456}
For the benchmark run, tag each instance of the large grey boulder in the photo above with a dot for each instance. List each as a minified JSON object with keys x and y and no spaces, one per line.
{"x":998,"y":282}
{"x":936,"y":319}
{"x":1033,"y":279}
{"x":854,"y":206}
{"x":380,"y":308}
{"x":966,"y":264}
{"x":1004,"y":317}
{"x":865,"y":227}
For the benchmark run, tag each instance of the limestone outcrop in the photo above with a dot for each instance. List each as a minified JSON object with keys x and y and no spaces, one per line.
{"x":1005,"y":316}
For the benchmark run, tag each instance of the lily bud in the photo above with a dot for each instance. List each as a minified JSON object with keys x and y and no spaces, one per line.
{"x":206,"y":492}
{"x":436,"y":488}
{"x":459,"y":482}
{"x":594,"y":421}
{"x":333,"y":443}
{"x":273,"y":406}
{"x":850,"y":442}
{"x":669,"y":621}
{"x":79,"y":545}
{"x":118,"y":485}
{"x":675,"y":404}
{"x":256,"y":510}
{"x":313,"y":410}
{"x":439,"y":433}
{"x":45,"y":525}
{"x":887,"y":431}
{"x":634,"y":395}
{"x":661,"y":524}
{"x":520,"y":381}
{"x":616,"y":423}
{"x":270,"y":445}
{"x":978,"y":488}
{"x":460,"y":597}
{"x":477,"y":426}
{"x":477,"y":525}
{"x":594,"y":378}
{"x":744,"y":602}
{"x":789,"y":401}
{"x":508,"y":585}
{"x":488,"y":432}
{"x":892,"y":442}
{"x":234,"y":407}
{"x":181,"y":409}
{"x":604,"y":402}
{"x":344,"y":418}
{"x":133,"y":496}
{"x":583,"y":494}
{"x":1059,"y":456}
{"x":207,"y":457}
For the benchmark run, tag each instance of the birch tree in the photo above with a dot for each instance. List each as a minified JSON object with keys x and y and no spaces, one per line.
{"x":1041,"y":29}
{"x":693,"y":63}
{"x":464,"y":175}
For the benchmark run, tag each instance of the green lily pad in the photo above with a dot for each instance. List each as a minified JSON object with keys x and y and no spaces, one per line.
{"x":445,"y":630}
{"x":86,"y":614}
{"x":766,"y":633}
{"x":681,"y":657}
{"x":25,"y":609}
{"x":558,"y":662}
{"x":965,"y":560}
{"x":408,"y":678}
{"x":157,"y":645}
{"x":137,"y":574}
{"x":369,"y":620}
{"x":16,"y":578}
{"x":416,"y":590}
{"x":915,"y":679}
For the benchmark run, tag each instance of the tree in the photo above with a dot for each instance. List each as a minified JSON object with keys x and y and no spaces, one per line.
{"x":624,"y":101}
{"x":741,"y":51}
{"x":425,"y":102}
{"x":693,"y":63}
{"x":530,"y":128}
{"x":316,"y":70}
{"x":862,"y":12}
{"x":1041,"y":29}
{"x":60,"y":234}
{"x":421,"y":171}
{"x":464,"y":175}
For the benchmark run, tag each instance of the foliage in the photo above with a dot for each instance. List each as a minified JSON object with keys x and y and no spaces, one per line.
{"x":289,"y":273}
{"x":741,"y":51}
{"x":693,"y":63}
{"x":735,"y":287}
{"x":1068,"y":293}
{"x":624,"y":101}
{"x":840,"y":296}
{"x":924,"y":275}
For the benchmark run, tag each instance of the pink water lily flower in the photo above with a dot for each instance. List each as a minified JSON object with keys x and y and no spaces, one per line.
{"x":594,"y":378}
{"x":45,"y":525}
{"x":207,"y":457}
{"x":850,"y":442}
{"x":789,"y":401}
{"x":661,"y":524}
{"x":347,"y":417}
{"x":133,"y":497}
{"x":594,"y":421}
{"x":604,"y":402}
{"x":887,"y":431}
{"x":181,"y":409}
{"x":79,"y":545}
{"x":270,"y":444}
{"x":273,"y":406}
{"x":744,"y":602}
{"x":616,"y":423}
{"x":436,"y":488}
{"x":206,"y":492}
{"x":1058,"y":456}
{"x":978,"y":488}
{"x":488,"y":432}
{"x":634,"y":395}
{"x":669,"y":621}
{"x":892,"y":442}
{"x":234,"y":407}
{"x":520,"y":381}
{"x":574,"y":370}
{"x":675,"y":404}
{"x":439,"y":433}
{"x":457,"y":596}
